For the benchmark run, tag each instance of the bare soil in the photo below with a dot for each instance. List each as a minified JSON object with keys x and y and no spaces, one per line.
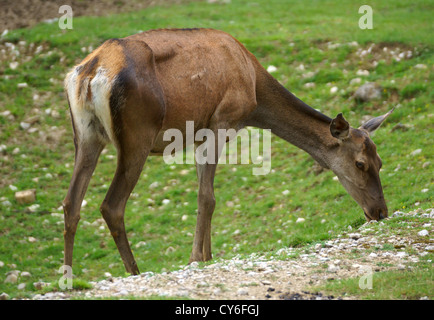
{"x":26,"y":13}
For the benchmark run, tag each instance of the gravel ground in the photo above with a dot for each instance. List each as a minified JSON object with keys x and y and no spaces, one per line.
{"x":286,"y":275}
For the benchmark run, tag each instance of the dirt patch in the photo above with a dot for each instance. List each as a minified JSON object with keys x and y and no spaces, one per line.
{"x":26,"y":13}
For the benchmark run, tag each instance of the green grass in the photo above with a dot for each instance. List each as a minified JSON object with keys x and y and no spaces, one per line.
{"x":414,"y":282}
{"x":278,"y":34}
{"x":396,"y":285}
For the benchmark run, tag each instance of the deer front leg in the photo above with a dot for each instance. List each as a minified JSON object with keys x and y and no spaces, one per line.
{"x":206,"y":204}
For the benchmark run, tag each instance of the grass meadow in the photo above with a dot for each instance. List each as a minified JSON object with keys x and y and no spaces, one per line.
{"x":315,"y":46}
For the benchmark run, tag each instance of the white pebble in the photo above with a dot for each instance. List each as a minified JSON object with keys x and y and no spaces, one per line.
{"x":423,"y":233}
{"x":401,"y":254}
{"x":416,"y":152}
{"x":420,"y":66}
{"x":271,"y":69}
{"x":362,"y":72}
{"x":300,"y":220}
{"x":24,"y":125}
{"x":13,"y":65}
{"x":242,"y":292}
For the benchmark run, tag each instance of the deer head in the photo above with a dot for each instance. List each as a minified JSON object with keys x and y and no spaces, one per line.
{"x":357,"y":164}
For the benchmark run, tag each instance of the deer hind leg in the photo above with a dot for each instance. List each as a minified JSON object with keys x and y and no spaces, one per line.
{"x":86,"y":157}
{"x":134,"y":143}
{"x":141,"y":122}
{"x":129,"y":167}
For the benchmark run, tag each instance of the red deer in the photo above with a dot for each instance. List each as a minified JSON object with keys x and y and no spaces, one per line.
{"x":129,"y":91}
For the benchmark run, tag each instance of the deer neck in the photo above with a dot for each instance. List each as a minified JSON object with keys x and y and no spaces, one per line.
{"x":293,"y":120}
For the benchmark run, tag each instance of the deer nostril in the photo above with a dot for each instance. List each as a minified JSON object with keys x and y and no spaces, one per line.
{"x":383,"y":214}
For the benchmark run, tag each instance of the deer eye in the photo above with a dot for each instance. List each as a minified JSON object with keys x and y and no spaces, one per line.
{"x":360,"y":165}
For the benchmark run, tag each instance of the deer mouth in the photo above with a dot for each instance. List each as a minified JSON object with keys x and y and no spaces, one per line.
{"x":375,"y":214}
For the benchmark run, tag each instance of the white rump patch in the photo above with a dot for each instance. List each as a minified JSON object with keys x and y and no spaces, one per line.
{"x":101,"y":90}
{"x":85,"y":111}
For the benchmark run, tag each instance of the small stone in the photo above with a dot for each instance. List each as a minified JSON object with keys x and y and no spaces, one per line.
{"x":184,"y":217}
{"x":25,"y":274}
{"x":21,"y":286}
{"x":154,"y":185}
{"x":11,"y":278}
{"x":4,"y":296}
{"x":367,"y":92}
{"x":355,"y":235}
{"x":122,"y":292}
{"x":300,"y":220}
{"x":13,"y":65}
{"x":22,"y":85}
{"x":242,"y":292}
{"x":271,"y":69}
{"x":423,"y":233}
{"x":301,"y":67}
{"x":333,"y":89}
{"x":230,"y":204}
{"x":33,"y":208}
{"x":7,"y":203}
{"x":420,"y":66}
{"x":165,"y":201}
{"x":401,"y":254}
{"x":362,"y":72}
{"x":332,"y":268}
{"x":217,"y":291}
{"x":355,"y":81}
{"x":416,"y":152}
{"x":285,"y":192}
{"x":397,"y":214}
{"x":25,"y":196}
{"x":25,"y":125}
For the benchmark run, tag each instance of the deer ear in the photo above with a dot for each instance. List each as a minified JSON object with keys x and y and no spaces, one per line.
{"x":339,"y":127}
{"x":375,"y":123}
